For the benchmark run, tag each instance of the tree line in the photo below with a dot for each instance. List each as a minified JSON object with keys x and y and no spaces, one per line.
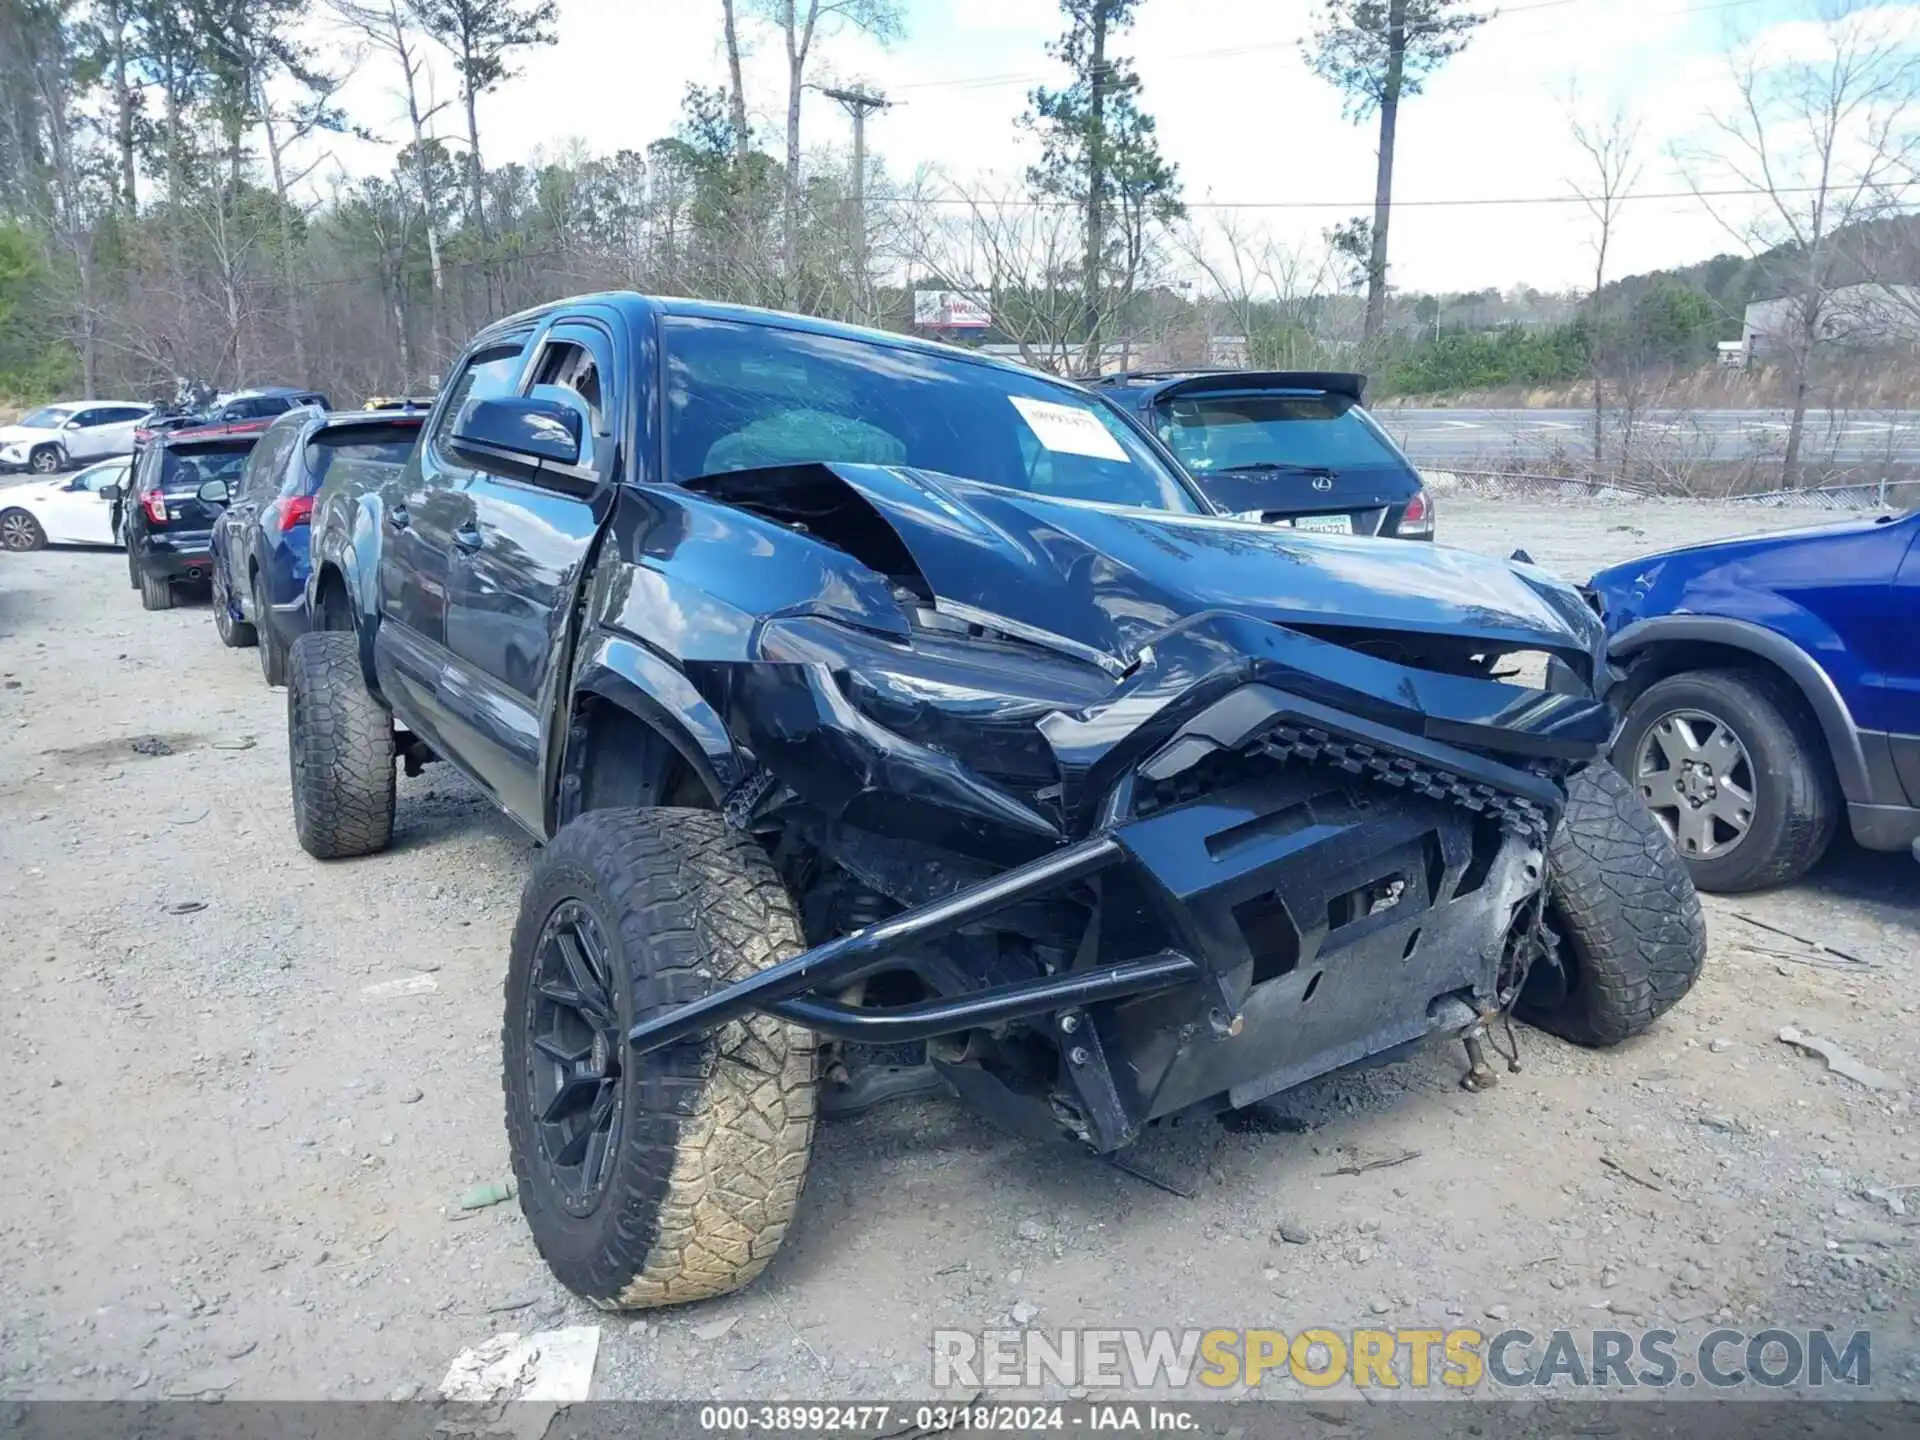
{"x":168,"y":209}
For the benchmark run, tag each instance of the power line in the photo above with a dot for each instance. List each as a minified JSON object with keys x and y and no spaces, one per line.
{"x":953,"y":201}
{"x":1459,"y":202}
{"x":1009,"y":78}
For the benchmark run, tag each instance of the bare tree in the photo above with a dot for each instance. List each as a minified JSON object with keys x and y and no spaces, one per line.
{"x":1825,"y":143}
{"x":1267,"y":292}
{"x":384,"y":24}
{"x":802,"y":22}
{"x":481,"y":36}
{"x":1611,"y":146}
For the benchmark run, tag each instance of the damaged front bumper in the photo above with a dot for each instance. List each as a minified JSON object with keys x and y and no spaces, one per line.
{"x":1339,"y":848}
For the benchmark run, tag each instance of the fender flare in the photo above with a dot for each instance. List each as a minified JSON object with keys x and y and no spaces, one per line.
{"x":1813,"y":683}
{"x":626,"y":673}
{"x":353,"y":554}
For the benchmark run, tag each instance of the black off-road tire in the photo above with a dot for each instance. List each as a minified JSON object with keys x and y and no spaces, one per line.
{"x":1632,"y":934}
{"x":340,"y":750}
{"x":1797,"y":801}
{"x":156,"y":593}
{"x":708,"y":1151}
{"x":273,"y":657}
{"x":234,"y":634}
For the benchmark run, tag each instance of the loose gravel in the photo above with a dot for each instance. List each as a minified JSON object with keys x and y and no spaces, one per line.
{"x":249,"y":1092}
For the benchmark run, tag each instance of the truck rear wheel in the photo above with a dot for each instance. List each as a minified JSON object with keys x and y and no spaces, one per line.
{"x":156,"y":593}
{"x":672,"y":1176}
{"x":340,"y":749}
{"x":1632,"y":934}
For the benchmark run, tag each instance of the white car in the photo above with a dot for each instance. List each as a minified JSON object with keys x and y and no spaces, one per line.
{"x":77,"y":510}
{"x":57,"y":437}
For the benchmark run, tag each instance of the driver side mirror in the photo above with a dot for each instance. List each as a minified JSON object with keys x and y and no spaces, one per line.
{"x":525,"y":439}
{"x":110,"y":494}
{"x":215,"y":492}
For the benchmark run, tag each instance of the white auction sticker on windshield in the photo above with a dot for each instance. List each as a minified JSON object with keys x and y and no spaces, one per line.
{"x":1068,"y":429}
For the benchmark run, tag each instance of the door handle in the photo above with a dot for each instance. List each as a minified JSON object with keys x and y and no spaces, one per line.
{"x":398,"y":518}
{"x":468,"y":539}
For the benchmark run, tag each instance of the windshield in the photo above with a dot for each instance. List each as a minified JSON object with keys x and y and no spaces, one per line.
{"x":1318,"y":431}
{"x":743,"y":396}
{"x":189,"y":470}
{"x":49,"y":417}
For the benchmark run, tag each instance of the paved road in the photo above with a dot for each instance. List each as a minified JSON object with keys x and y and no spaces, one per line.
{"x":1441,"y":437}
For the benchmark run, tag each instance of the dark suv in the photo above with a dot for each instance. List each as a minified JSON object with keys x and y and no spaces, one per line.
{"x":179,"y":485}
{"x":259,"y":543}
{"x":888,"y":710}
{"x":1284,"y":447}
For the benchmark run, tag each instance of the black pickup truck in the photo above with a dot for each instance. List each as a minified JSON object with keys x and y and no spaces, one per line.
{"x":889,"y":714}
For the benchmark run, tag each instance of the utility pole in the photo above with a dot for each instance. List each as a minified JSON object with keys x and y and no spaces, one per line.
{"x":859,"y":104}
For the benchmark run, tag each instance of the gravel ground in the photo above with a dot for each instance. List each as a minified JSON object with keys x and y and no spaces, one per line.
{"x":251,"y":1086}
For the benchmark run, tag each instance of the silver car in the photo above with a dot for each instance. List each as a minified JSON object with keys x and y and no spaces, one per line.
{"x":73,"y":432}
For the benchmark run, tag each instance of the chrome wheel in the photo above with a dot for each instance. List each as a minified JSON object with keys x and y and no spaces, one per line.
{"x":1696,"y":777}
{"x":19,"y":531}
{"x":44,"y":461}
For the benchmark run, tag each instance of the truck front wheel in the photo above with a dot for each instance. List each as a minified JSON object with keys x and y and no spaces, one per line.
{"x":672,"y":1176}
{"x":1632,"y":935}
{"x":340,"y":749}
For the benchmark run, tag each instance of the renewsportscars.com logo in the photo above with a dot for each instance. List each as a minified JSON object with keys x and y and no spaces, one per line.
{"x":1410,"y":1358}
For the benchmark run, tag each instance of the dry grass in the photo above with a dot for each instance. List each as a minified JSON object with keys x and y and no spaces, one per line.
{"x":1860,"y":384}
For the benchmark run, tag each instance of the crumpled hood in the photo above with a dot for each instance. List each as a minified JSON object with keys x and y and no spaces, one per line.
{"x":1111,"y":577}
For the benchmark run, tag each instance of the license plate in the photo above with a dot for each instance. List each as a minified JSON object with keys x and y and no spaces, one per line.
{"x":1325,"y":524}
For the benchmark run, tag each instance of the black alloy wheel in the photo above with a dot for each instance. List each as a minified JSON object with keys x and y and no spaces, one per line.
{"x":576,"y":1044}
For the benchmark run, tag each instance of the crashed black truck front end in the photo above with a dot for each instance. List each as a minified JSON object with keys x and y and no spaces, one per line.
{"x":1250,"y":856}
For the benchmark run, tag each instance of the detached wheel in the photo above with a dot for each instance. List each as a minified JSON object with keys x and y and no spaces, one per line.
{"x":273,"y":658}
{"x":1738,"y":774}
{"x":340,"y":750}
{"x":156,"y":592}
{"x":20,"y":531}
{"x":1632,"y":935}
{"x":234,"y":634}
{"x":672,"y":1176}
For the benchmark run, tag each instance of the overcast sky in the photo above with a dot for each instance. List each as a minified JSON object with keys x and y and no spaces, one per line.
{"x":1239,"y":113}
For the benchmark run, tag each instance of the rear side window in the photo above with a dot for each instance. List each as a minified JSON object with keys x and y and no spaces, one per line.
{"x":488,"y":373}
{"x":1211,"y":433}
{"x":370,"y":452}
{"x":267,"y":464}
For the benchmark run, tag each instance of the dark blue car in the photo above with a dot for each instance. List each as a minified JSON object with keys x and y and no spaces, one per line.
{"x":1285,"y":447}
{"x":1773,"y":687}
{"x":260,"y":540}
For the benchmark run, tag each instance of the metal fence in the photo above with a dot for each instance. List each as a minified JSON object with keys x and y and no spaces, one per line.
{"x":1878,"y":495}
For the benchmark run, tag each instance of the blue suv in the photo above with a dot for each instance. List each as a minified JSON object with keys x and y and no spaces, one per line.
{"x":260,"y":558}
{"x":1771,"y":686}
